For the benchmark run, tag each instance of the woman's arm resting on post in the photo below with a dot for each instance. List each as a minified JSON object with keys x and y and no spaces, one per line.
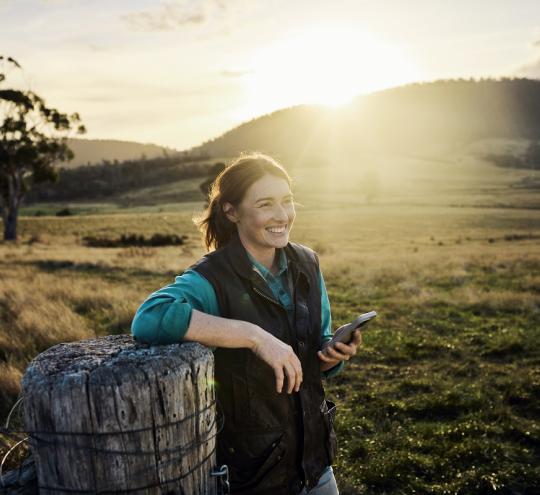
{"x":214,"y":331}
{"x":188,"y":310}
{"x":163,"y":318}
{"x":223,"y":332}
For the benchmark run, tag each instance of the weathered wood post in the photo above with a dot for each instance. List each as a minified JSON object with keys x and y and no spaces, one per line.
{"x":110,"y":416}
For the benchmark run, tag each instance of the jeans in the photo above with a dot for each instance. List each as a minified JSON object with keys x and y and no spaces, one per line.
{"x":326,"y":486}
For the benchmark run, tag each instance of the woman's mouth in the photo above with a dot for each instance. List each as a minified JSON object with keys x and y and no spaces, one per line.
{"x":277,"y":230}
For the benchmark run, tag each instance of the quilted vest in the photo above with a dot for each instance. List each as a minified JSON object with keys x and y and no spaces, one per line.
{"x":272,"y":443}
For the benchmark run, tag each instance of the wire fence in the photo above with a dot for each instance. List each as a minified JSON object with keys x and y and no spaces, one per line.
{"x":92,"y":444}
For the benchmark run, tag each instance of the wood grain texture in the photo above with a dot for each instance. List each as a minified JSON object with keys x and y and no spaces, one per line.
{"x":135,"y":412}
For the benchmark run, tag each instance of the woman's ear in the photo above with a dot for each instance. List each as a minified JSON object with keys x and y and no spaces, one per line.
{"x":230,"y":212}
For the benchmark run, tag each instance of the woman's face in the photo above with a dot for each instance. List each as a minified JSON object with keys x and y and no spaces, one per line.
{"x":265,"y":215}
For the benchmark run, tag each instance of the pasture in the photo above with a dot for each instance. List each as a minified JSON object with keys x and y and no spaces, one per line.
{"x":442,"y":398}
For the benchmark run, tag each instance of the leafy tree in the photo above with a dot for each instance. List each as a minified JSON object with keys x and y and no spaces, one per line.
{"x":33,"y":138}
{"x":109,"y":179}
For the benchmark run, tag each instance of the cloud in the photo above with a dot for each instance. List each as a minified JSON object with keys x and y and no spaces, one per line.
{"x":531,"y":70}
{"x":169,"y":16}
{"x":54,"y":2}
{"x":97,"y":48}
{"x":105,"y":90}
{"x":235,"y":73}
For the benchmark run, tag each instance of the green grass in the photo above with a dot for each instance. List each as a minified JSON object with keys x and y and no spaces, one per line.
{"x":443,"y":395}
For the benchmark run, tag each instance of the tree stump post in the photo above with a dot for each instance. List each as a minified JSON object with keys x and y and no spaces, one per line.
{"x":110,"y":416}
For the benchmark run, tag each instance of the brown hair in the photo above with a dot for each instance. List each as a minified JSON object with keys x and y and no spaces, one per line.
{"x":230,"y":186}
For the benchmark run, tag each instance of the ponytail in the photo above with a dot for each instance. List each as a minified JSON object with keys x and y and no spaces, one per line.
{"x":214,"y":225}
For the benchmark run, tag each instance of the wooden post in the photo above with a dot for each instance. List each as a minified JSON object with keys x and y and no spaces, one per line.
{"x":110,"y":416}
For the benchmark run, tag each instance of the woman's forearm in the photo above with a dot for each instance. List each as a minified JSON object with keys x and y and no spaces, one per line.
{"x":215,"y":331}
{"x":223,"y":332}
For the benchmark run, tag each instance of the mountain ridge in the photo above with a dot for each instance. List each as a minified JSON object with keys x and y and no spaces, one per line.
{"x":94,"y":151}
{"x":414,"y":117}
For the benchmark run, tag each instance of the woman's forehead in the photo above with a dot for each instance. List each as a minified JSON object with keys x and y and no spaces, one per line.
{"x":268,"y":186}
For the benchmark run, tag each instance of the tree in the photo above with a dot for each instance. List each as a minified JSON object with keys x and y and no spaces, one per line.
{"x":33,"y":138}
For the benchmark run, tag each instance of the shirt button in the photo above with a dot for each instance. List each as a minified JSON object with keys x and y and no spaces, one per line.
{"x":231,"y":450}
{"x":301,"y":343}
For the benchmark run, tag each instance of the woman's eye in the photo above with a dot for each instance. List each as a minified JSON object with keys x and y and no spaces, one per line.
{"x":262,"y":205}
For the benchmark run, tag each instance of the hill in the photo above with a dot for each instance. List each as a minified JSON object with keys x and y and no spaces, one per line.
{"x":139,"y":181}
{"x":428,"y":118}
{"x":89,"y":151}
{"x":447,"y":142}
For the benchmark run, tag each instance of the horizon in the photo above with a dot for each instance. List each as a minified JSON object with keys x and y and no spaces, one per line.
{"x":329,"y":107}
{"x":180,"y":73}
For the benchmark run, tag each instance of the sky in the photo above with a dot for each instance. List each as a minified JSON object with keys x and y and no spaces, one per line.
{"x":177,"y":72}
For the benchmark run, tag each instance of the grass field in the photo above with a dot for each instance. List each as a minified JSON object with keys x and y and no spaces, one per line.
{"x":442,"y":398}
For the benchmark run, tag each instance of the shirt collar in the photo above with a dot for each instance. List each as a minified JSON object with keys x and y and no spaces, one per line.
{"x":267,"y":274}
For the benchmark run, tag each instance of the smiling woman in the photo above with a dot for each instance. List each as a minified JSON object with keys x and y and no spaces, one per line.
{"x":260,"y":302}
{"x":326,"y":64}
{"x":264,"y":217}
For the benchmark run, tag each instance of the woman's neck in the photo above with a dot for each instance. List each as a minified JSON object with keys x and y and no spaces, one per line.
{"x":266,"y":258}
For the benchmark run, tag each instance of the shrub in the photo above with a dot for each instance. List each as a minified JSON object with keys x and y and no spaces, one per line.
{"x":64,"y":212}
{"x":126,"y":240}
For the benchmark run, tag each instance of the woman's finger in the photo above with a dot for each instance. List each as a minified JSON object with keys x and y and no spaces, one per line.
{"x":290,"y":372}
{"x":334,"y":353}
{"x":299,"y":373}
{"x":324,"y":357}
{"x":347,"y":349}
{"x":278,"y":371}
{"x":357,"y":339}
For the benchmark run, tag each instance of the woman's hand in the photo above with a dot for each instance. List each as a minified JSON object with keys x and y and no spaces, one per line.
{"x":281,"y":357}
{"x":330,"y":355}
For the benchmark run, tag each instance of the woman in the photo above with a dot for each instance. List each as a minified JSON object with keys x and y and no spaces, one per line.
{"x":260,"y":302}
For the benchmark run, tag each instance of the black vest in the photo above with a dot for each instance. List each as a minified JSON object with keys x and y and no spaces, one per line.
{"x":272,"y":443}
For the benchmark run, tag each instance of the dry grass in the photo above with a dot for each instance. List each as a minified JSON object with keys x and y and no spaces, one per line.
{"x":10,"y":378}
{"x":446,"y":294}
{"x":38,"y":310}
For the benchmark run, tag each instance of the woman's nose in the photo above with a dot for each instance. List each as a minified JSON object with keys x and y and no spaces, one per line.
{"x":280,"y":213}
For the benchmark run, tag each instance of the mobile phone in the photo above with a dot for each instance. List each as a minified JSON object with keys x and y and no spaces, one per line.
{"x":344,"y":333}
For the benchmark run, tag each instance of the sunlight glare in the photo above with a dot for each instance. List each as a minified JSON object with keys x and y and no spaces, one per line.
{"x":326,"y":65}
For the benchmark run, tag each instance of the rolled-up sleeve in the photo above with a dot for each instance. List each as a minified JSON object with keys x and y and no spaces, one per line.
{"x":164,"y":317}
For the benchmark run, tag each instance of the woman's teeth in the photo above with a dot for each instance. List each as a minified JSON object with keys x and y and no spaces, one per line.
{"x":276,"y":230}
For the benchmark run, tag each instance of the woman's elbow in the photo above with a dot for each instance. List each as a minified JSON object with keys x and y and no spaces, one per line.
{"x":161,"y":324}
{"x":140,"y":330}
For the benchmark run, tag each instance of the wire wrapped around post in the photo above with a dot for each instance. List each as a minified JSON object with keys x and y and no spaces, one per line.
{"x":110,"y":416}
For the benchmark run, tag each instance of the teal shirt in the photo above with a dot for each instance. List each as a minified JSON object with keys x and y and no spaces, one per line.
{"x":164,"y":316}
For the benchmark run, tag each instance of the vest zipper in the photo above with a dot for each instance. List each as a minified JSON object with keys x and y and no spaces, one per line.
{"x":267,"y":297}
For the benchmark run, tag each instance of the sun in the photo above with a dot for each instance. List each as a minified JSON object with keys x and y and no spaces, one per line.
{"x":324,"y":64}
